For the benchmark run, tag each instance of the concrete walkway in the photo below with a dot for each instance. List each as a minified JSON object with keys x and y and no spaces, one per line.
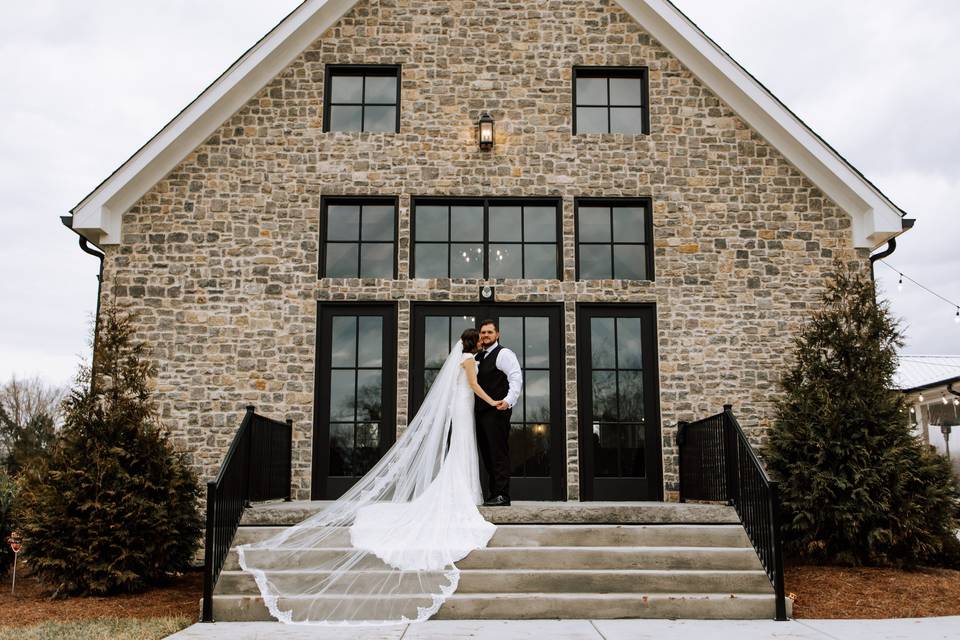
{"x":947,"y":628}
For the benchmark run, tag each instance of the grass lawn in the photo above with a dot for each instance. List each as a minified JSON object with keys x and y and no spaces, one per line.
{"x":99,"y":629}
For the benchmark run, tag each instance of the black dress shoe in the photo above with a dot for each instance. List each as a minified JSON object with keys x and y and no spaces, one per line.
{"x":497,"y":501}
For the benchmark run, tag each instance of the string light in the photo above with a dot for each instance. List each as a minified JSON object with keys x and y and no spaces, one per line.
{"x":943,"y":397}
{"x":956,"y":317}
{"x":920,"y":397}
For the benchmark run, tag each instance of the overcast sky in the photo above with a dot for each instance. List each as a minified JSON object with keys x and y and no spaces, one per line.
{"x":85,"y":84}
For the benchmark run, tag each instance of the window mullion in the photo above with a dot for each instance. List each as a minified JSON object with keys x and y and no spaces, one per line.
{"x":613,"y":262}
{"x":486,"y":239}
{"x":449,"y":240}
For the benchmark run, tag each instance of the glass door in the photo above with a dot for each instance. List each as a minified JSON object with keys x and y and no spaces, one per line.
{"x":354,"y":398}
{"x":618,"y":402}
{"x":533,"y":332}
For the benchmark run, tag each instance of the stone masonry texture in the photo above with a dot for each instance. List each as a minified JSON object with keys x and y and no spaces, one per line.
{"x":220,"y":258}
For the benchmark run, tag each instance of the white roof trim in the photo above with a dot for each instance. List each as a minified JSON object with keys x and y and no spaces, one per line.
{"x":875,"y":218}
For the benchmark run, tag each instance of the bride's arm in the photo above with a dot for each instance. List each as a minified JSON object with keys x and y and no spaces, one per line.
{"x":471,"y":369}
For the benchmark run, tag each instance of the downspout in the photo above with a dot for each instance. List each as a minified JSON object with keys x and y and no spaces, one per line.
{"x":891,"y":247}
{"x":85,"y":246}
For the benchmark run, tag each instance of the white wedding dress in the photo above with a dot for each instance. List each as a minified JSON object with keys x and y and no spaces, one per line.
{"x":384,"y":552}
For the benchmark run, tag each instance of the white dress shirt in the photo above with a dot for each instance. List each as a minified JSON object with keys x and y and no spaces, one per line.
{"x":507,"y":363}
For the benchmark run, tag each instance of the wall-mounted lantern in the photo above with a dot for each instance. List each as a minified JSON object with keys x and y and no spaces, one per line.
{"x":485,"y":131}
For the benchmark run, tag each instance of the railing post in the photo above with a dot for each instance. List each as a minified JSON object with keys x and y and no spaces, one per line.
{"x":289,"y":460}
{"x":252,"y":417}
{"x":778,"y":588}
{"x":206,"y":614}
{"x":731,"y":456}
{"x":681,"y":440}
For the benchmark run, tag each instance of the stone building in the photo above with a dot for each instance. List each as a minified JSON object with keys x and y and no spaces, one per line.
{"x":649,"y":225}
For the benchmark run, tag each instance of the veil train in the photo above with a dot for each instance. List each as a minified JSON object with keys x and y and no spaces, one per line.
{"x":384,"y":552}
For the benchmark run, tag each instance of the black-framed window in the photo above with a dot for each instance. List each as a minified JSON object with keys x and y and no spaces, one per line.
{"x":610,"y":100}
{"x":362,"y":98}
{"x":486,"y":238}
{"x":358,"y":238}
{"x":614,"y":239}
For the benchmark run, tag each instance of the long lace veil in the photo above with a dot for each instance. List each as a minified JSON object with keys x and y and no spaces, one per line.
{"x":310,"y":573}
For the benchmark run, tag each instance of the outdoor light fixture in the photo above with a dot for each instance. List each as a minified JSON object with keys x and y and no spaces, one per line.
{"x":920,"y":397}
{"x":487,"y":293}
{"x":485,"y":131}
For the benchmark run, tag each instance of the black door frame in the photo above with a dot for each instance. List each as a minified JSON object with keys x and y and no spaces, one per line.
{"x":322,"y":486}
{"x":552,"y":487}
{"x":623,"y":489}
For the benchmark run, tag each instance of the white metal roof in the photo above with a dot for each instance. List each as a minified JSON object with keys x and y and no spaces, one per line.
{"x":875,"y":218}
{"x":926,"y":371}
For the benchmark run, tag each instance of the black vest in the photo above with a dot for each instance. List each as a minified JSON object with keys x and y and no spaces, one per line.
{"x":491,"y":379}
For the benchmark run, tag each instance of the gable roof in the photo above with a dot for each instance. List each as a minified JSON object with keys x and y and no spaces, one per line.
{"x":875,"y":218}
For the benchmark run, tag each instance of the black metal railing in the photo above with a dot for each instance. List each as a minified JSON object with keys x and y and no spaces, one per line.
{"x":257,"y":467}
{"x":717,"y":463}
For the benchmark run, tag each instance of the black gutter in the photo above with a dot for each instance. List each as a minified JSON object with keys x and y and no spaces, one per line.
{"x":907,"y":224}
{"x":85,"y":246}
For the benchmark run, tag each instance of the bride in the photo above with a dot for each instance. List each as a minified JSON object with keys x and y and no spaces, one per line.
{"x":384,"y":552}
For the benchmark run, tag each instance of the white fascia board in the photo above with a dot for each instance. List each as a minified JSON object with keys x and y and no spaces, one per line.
{"x":99,"y":215}
{"x":875,"y":218}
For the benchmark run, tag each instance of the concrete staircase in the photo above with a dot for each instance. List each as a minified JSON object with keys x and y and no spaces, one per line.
{"x":565,"y":560}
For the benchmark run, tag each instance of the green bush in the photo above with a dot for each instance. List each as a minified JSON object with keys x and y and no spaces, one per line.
{"x":857,"y":487}
{"x":113,"y":507}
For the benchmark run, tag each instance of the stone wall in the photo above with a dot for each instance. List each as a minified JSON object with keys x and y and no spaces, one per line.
{"x":220,"y":257}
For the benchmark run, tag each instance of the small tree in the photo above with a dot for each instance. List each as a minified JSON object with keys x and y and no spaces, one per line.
{"x":113,"y":507}
{"x":29,"y":411}
{"x":857,"y":487}
{"x":31,"y":442}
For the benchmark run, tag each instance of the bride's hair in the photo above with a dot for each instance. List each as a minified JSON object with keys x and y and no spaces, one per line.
{"x":470,"y":338}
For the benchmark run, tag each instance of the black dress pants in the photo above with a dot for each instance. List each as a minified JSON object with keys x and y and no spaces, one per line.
{"x":493,"y":434}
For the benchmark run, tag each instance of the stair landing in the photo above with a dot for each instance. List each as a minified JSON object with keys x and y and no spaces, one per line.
{"x":528,"y":512}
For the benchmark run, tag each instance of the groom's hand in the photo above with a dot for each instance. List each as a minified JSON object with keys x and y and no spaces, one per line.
{"x":502,"y":405}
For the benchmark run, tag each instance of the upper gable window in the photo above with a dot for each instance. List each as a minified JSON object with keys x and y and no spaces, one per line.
{"x":610,"y":100}
{"x":362,"y":98}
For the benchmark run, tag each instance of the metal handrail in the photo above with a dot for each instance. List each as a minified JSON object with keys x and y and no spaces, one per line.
{"x":717,"y":462}
{"x":257,"y":467}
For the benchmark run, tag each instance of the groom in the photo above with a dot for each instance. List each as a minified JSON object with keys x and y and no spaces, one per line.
{"x":500,"y":376}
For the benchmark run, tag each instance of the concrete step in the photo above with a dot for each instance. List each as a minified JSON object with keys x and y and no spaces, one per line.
{"x":525,"y":581}
{"x":733,"y":558}
{"x":572,"y":535}
{"x":531,"y":606}
{"x":523,"y":512}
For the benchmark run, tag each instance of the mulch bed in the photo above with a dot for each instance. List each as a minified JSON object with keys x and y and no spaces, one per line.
{"x":870,"y":592}
{"x":31,"y":603}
